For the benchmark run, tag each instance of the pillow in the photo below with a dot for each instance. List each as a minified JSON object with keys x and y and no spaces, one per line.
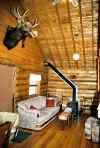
{"x":32,"y":107}
{"x":35,"y":111}
{"x":50,"y":102}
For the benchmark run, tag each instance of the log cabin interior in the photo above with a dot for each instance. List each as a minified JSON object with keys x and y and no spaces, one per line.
{"x":67,"y":37}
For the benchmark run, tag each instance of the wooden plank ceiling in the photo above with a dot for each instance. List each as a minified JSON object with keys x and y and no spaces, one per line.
{"x":63,"y":30}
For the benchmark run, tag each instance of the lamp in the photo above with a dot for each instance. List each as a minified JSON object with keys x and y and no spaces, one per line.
{"x":76,"y":56}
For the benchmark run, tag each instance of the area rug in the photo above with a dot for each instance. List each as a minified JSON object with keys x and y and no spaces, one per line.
{"x":20,"y":136}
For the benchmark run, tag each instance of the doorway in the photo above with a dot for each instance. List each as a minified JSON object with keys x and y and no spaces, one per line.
{"x":6,"y":87}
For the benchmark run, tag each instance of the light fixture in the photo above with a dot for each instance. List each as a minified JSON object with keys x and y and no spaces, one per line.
{"x":74,"y":2}
{"x":55,"y":2}
{"x":76,"y":56}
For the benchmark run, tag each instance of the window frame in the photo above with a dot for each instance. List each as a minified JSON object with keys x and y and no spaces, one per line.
{"x":35,"y":84}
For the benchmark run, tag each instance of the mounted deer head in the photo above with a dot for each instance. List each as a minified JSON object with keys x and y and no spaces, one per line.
{"x":21,"y":31}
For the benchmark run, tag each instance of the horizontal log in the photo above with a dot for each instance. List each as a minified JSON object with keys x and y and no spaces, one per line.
{"x":22,"y":84}
{"x":22,"y":78}
{"x":23,"y":75}
{"x":20,"y":98}
{"x":70,"y":95}
{"x":76,"y":76}
{"x":63,"y":87}
{"x":44,"y":82}
{"x":22,"y":88}
{"x":75,"y":81}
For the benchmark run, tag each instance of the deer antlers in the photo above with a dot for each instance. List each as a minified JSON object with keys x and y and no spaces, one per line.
{"x":27,"y":26}
{"x":15,"y":12}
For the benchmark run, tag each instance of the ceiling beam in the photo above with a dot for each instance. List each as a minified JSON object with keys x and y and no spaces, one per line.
{"x":40,"y":50}
{"x":61,"y":30}
{"x":48,"y":47}
{"x":71,"y":29}
{"x":84,"y":54}
{"x":74,"y":48}
{"x":92,"y":36}
{"x":98,"y":48}
{"x":45,"y":38}
{"x":54,"y":39}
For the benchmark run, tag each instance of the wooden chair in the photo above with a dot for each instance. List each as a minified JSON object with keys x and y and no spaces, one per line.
{"x":5,"y":129}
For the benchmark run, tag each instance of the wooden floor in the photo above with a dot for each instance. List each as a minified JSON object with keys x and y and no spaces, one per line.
{"x":54,"y":136}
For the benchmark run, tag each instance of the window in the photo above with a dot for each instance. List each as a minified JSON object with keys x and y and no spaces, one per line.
{"x":34,"y":82}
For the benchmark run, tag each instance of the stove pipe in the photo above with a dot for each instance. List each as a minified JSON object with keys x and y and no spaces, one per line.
{"x":66,"y":80}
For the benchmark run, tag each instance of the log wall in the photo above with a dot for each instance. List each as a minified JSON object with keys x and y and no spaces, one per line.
{"x":86,"y":82}
{"x":44,"y":84}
